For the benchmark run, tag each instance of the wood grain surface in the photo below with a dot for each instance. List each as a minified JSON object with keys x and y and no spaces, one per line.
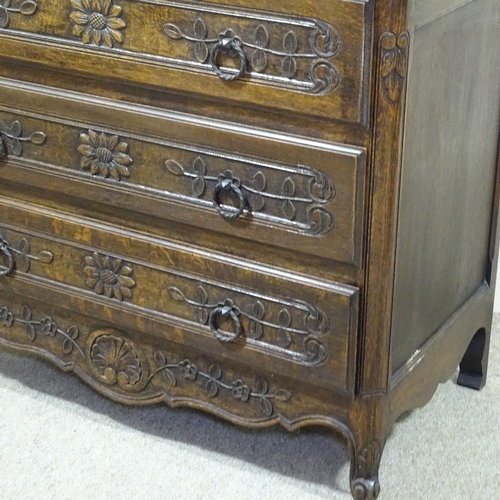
{"x":235,"y":207}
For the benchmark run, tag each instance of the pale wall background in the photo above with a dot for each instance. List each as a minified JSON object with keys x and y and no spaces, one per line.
{"x":497,"y":294}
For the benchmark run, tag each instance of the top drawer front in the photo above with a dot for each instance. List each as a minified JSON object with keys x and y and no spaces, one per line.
{"x":303,"y":58}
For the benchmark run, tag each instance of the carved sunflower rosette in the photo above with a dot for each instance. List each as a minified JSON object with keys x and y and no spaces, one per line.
{"x":104,"y":155}
{"x":108,"y":276}
{"x":97,"y":22}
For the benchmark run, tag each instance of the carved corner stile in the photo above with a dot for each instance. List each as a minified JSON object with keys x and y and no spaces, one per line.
{"x":389,"y":103}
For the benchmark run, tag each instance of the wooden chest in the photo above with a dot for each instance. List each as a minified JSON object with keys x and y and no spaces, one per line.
{"x":280,"y":214}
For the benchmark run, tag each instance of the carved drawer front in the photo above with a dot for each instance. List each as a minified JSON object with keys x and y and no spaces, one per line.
{"x":131,"y":367}
{"x":310,"y":61}
{"x":278,"y":321}
{"x":293,"y":193}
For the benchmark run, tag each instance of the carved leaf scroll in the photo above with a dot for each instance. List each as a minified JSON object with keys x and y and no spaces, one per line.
{"x":12,"y":138}
{"x":45,"y":326}
{"x":20,"y":256}
{"x":24,"y":7}
{"x":302,"y":328}
{"x":305,"y":60}
{"x":304,"y":205}
{"x":119,"y":364}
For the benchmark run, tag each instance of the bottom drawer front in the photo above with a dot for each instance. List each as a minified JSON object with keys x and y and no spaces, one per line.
{"x":280,"y":322}
{"x":132,"y":368}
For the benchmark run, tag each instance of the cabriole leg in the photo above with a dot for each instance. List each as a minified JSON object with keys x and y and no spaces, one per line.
{"x":365,"y":462}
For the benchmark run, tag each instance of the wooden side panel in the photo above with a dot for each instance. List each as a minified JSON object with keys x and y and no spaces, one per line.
{"x":448,"y":171}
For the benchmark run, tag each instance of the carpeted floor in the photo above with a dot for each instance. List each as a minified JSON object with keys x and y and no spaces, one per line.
{"x":60,"y":440}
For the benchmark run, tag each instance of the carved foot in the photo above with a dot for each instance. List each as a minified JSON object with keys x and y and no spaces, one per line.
{"x":364,"y":472}
{"x":474,"y":365}
{"x":365,"y":489}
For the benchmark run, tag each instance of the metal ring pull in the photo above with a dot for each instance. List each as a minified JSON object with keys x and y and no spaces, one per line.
{"x":4,"y":248}
{"x":230,"y":184}
{"x":230,"y":45}
{"x":225,"y":310}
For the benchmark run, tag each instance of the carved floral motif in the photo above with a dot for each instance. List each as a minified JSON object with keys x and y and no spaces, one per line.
{"x":25,"y":7}
{"x":97,"y":21}
{"x":104,"y":155}
{"x":394,"y":63}
{"x":114,"y":360}
{"x":213,"y":382}
{"x":6,"y":317}
{"x":45,"y":326}
{"x":12,"y":138}
{"x":108,"y":276}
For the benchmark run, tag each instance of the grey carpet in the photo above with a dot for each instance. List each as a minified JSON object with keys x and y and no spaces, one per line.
{"x":60,"y":440}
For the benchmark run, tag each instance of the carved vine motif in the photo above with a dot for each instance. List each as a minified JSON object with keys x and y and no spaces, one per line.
{"x":394,"y":63}
{"x":25,"y":7}
{"x":282,"y":332}
{"x":291,"y":56}
{"x":11,"y":138}
{"x":213,"y":382}
{"x":104,"y":155}
{"x":97,"y":21}
{"x":305,"y":207}
{"x":108,"y":276}
{"x":365,"y":484}
{"x":45,"y":326}
{"x":22,"y":260}
{"x":115,"y":361}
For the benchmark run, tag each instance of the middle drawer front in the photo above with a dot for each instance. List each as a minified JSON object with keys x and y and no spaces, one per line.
{"x":282,"y":323}
{"x":290,"y":192}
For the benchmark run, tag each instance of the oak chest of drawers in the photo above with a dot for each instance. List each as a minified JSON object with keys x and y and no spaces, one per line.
{"x":275,"y":213}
